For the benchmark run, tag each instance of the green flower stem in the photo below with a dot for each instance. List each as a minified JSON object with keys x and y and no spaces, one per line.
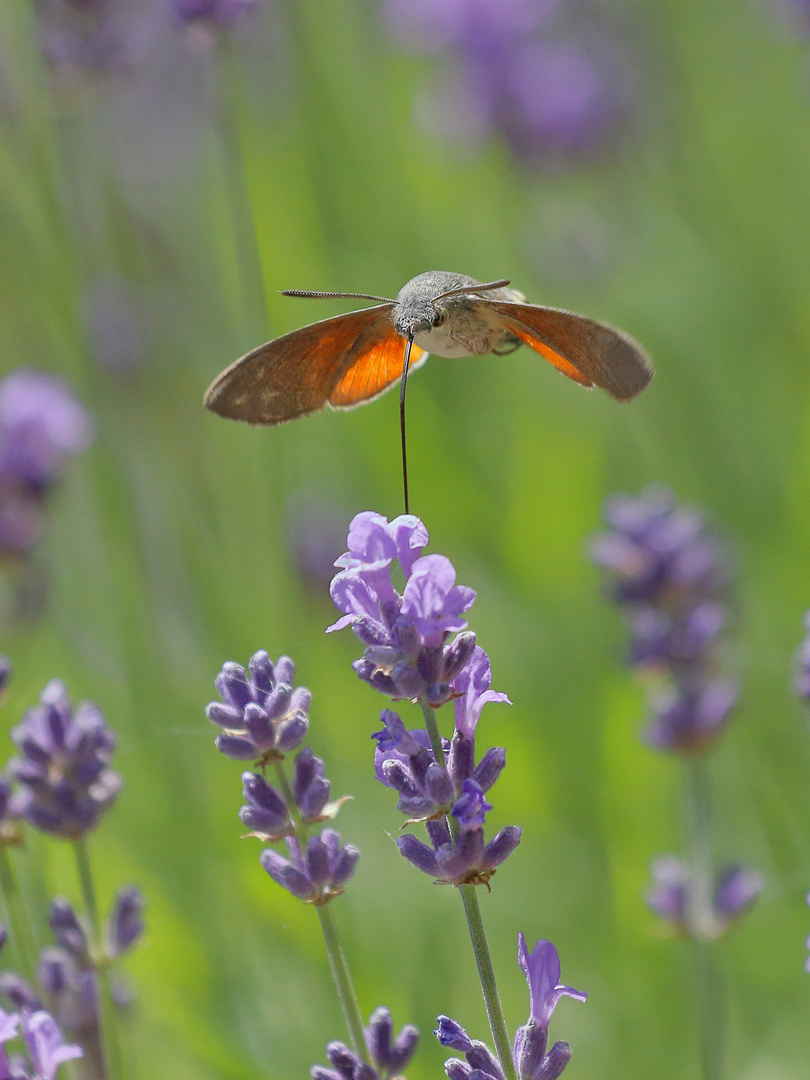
{"x":289,"y":798}
{"x":107,"y":1036}
{"x":497,"y":1023}
{"x":22,"y":935}
{"x":343,"y":982}
{"x":701,"y":918}
{"x":230,"y":105}
{"x":478,"y":938}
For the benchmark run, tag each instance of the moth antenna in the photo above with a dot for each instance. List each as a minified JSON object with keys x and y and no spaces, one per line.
{"x":472,"y":288}
{"x":336,"y":295}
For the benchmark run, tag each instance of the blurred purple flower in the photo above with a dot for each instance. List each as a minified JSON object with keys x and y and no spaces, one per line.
{"x":220,"y":13}
{"x":315,"y":530}
{"x":125,"y":926}
{"x":63,"y":770}
{"x":262,"y":716}
{"x":672,"y":896}
{"x":92,"y":36}
{"x":41,"y":426}
{"x":45,"y":1044}
{"x":689,"y":721}
{"x":555,"y":85}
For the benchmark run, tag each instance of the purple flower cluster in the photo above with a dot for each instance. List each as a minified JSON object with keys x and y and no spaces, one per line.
{"x":63,"y":765}
{"x":554,"y":84}
{"x":262,"y":716}
{"x":80,"y":37}
{"x":42,"y":426}
{"x":669,"y":573}
{"x":674,"y":898}
{"x":409,"y":654}
{"x":43,"y":1041}
{"x":532,"y":1059}
{"x":389,"y":1055}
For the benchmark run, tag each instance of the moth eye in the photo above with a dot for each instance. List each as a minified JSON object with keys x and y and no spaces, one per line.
{"x":439,"y":317}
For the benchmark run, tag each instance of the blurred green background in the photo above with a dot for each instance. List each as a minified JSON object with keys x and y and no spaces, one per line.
{"x":149,"y":216}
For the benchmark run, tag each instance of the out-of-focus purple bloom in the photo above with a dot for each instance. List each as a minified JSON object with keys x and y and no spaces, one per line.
{"x":125,"y":926}
{"x":262,"y":716}
{"x":316,"y":874}
{"x":657,"y":552}
{"x":6,"y":671}
{"x":467,"y":860}
{"x":673,"y":897}
{"x":45,"y":1044}
{"x":553,"y":92}
{"x":471,"y":691}
{"x":19,"y":992}
{"x":807,"y":943}
{"x":69,"y":932}
{"x":91,"y":36}
{"x":218,"y":13}
{"x":388,"y":1056}
{"x":801,"y":679}
{"x":63,"y":770}
{"x":689,"y":721}
{"x":407,"y":654}
{"x":42,"y":426}
{"x":71,"y":993}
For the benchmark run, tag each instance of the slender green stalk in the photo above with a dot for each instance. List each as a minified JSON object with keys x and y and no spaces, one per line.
{"x":228,"y":106}
{"x":475,"y":924}
{"x":701,"y":918}
{"x":492,"y":1000}
{"x":343,"y":982}
{"x":22,"y":935}
{"x":107,"y":1036}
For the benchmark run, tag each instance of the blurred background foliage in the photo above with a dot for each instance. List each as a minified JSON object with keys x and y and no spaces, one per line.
{"x":162,"y":175}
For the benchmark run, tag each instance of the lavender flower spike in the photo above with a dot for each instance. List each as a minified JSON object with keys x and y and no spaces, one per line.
{"x":316,"y":874}
{"x":63,"y":770}
{"x":262,"y":716}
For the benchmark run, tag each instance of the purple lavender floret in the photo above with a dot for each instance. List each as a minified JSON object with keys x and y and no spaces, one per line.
{"x":407,"y":651}
{"x":43,"y":1041}
{"x":672,"y":896}
{"x":262,"y":716}
{"x":266,"y":812}
{"x":65,"y":782}
{"x":541,"y":967}
{"x":465,"y":860}
{"x":6,"y":671}
{"x":389,"y":1056}
{"x":315,"y":874}
{"x":404,"y":761}
{"x":71,"y":993}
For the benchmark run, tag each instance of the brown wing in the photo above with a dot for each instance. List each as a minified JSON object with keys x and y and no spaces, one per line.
{"x":590,"y":352}
{"x":296,"y":374}
{"x":376,"y":365}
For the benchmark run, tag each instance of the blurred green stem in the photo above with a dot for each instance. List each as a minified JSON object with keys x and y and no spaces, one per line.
{"x":107,"y":1036}
{"x":475,"y":924}
{"x":700,"y":916}
{"x":22,"y":936}
{"x":343,"y":982}
{"x":229,"y":106}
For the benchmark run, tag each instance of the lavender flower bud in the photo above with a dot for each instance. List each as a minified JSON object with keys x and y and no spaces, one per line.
{"x":69,"y":932}
{"x":266,"y":813}
{"x":389,"y":1057}
{"x":126,"y":925}
{"x":317,"y":875}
